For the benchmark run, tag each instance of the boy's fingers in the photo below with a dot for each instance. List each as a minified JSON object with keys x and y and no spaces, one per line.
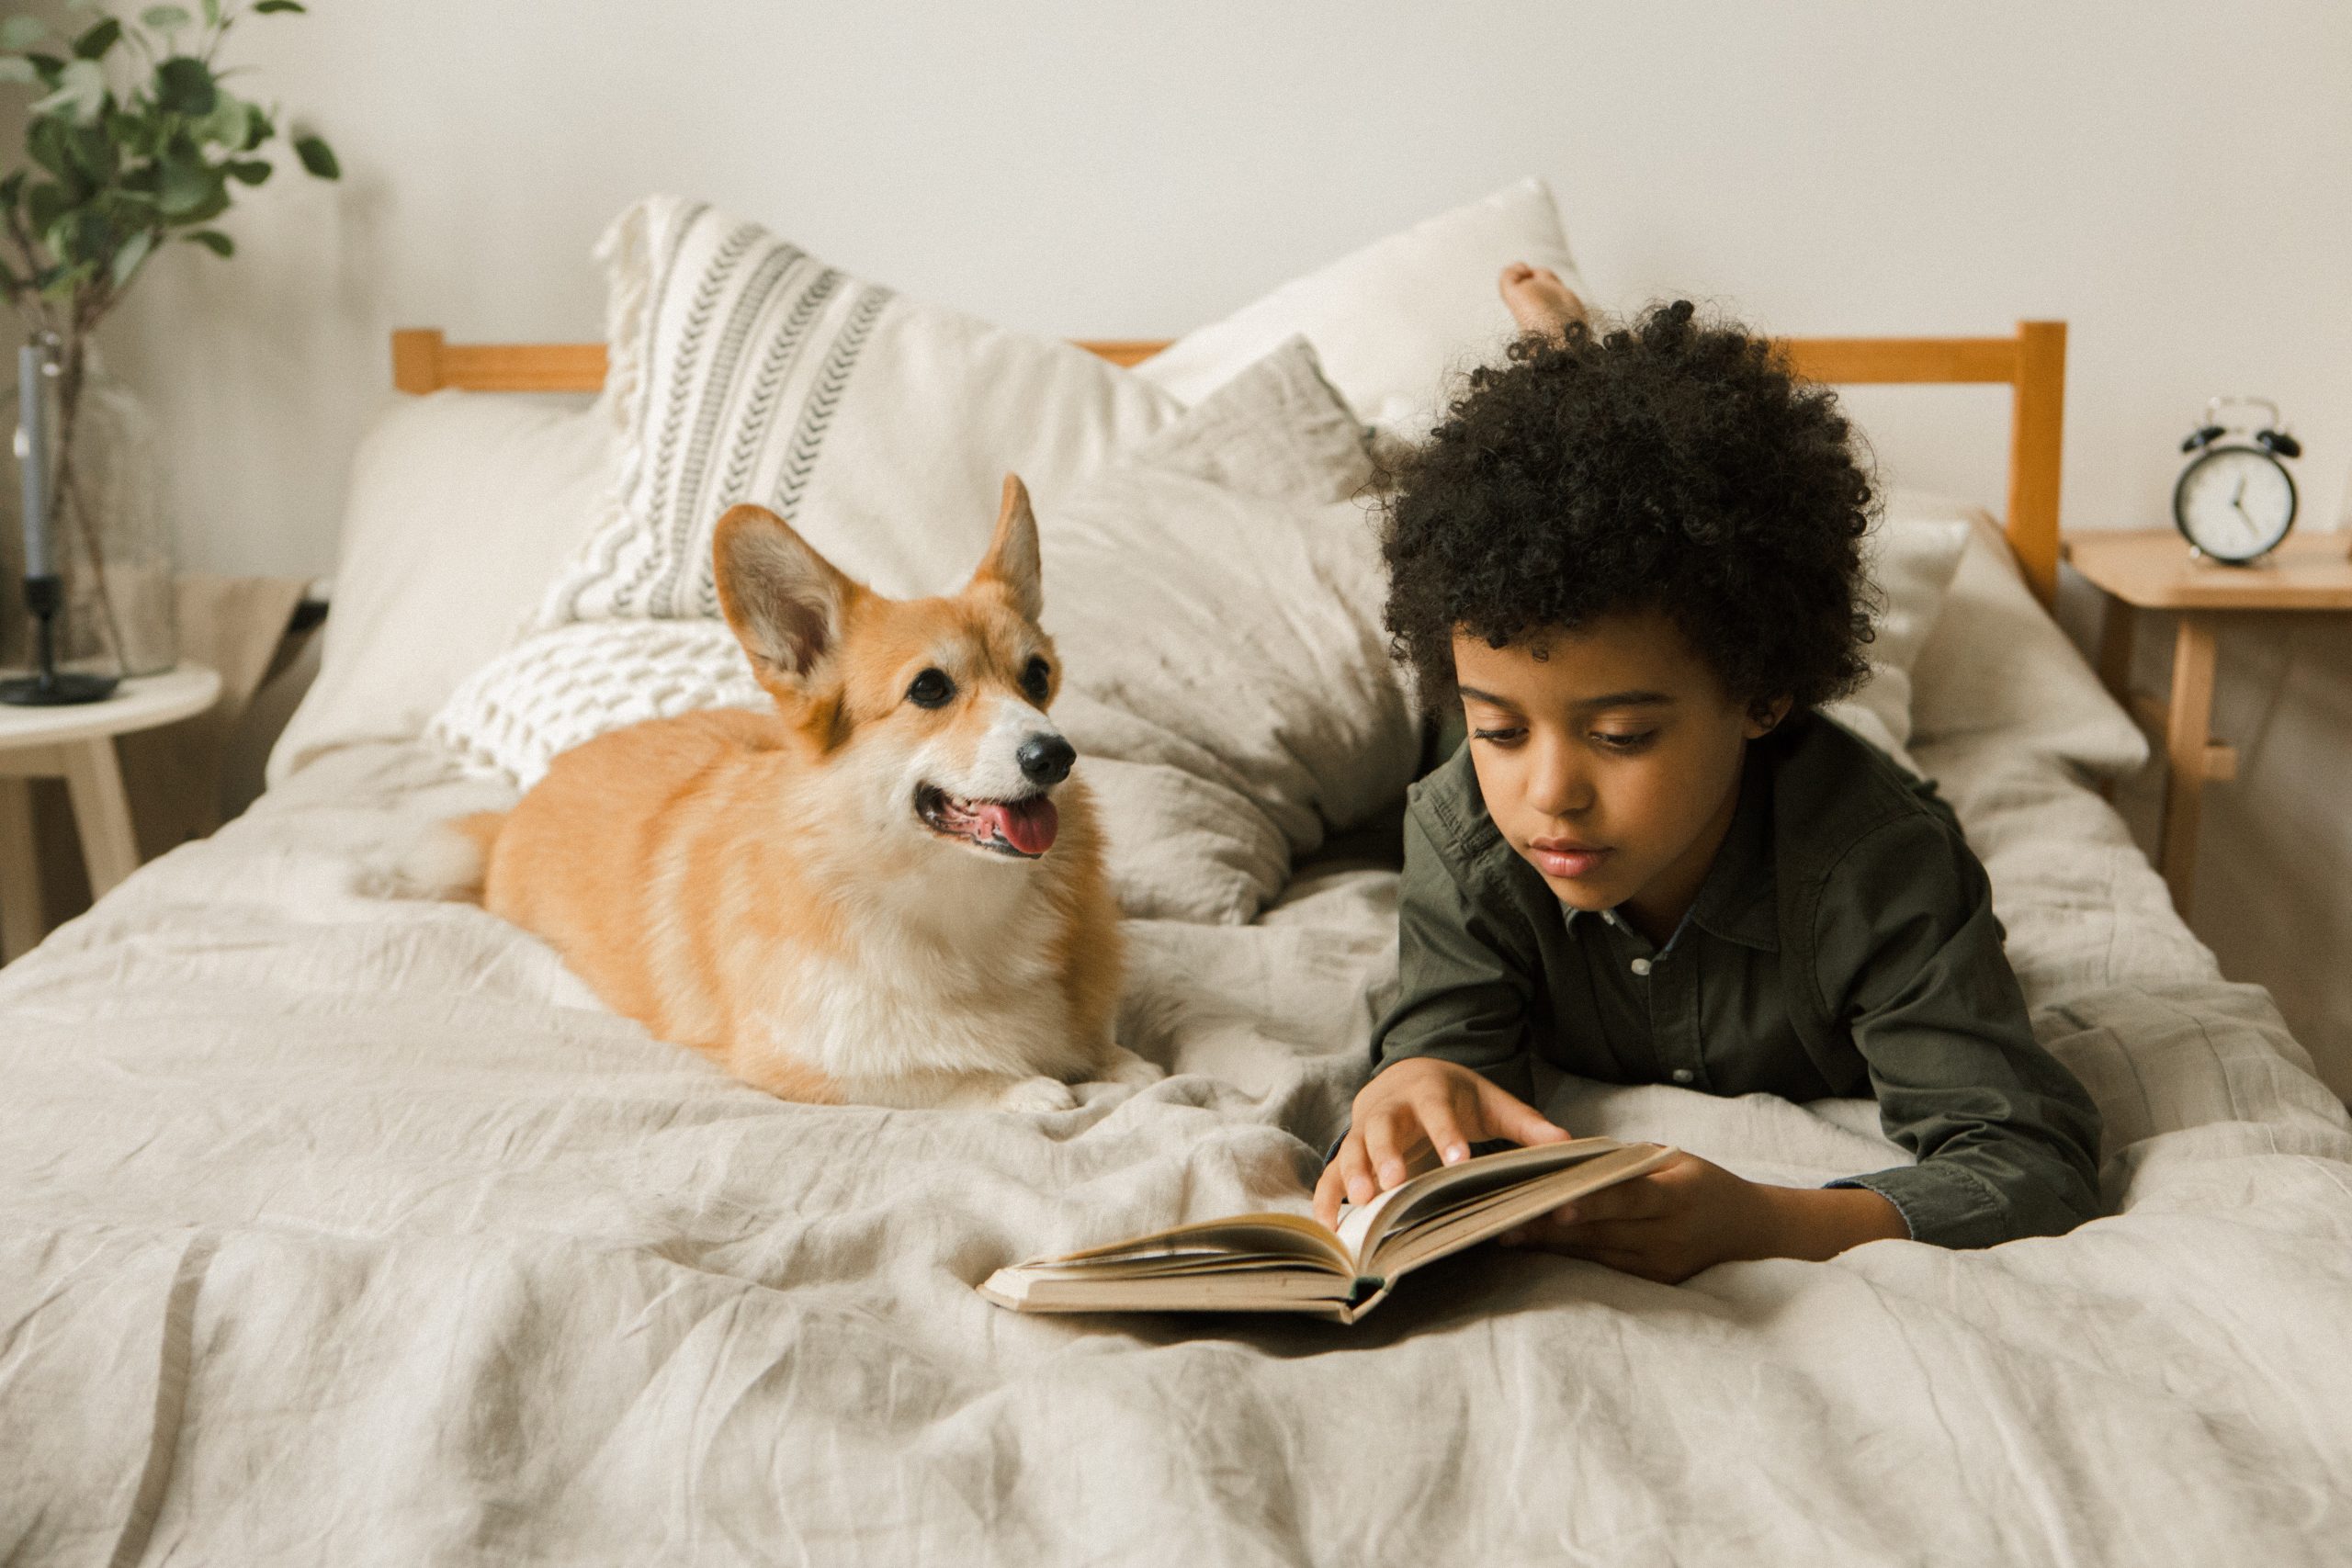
{"x":1640,"y":1198}
{"x":1381,"y":1144}
{"x":1330,"y":1188}
{"x":1504,"y":1115}
{"x":1355,"y":1171}
{"x":1441,"y":1123}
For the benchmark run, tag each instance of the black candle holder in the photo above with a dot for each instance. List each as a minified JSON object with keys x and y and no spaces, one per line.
{"x":48,"y":686}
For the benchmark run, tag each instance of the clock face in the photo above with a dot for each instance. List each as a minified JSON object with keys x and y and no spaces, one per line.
{"x":2234,"y":502}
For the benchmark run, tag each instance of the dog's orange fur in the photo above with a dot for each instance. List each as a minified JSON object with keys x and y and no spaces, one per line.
{"x":757,"y":886}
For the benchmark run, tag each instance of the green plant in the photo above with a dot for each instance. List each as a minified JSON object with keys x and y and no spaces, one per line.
{"x":135,"y":138}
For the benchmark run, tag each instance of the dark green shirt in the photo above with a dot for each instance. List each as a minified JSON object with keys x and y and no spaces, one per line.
{"x":1842,"y":943}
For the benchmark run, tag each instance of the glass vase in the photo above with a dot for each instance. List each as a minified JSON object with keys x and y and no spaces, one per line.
{"x":107,"y":538}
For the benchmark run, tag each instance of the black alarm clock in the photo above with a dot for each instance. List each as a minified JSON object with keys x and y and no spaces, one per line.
{"x":2235,"y":501}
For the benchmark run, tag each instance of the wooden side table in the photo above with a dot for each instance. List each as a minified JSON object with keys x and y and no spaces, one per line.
{"x":78,"y":745}
{"x":2153,"y":570}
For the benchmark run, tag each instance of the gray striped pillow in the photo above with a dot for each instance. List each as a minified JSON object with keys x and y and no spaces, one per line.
{"x":743,"y":369}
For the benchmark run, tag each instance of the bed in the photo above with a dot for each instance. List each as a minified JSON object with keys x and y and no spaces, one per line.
{"x":347,"y":1228}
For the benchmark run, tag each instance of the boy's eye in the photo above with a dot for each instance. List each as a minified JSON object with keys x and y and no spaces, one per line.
{"x":930,"y":689}
{"x":1037,"y":679}
{"x":1499,"y":736}
{"x":1616,"y":740}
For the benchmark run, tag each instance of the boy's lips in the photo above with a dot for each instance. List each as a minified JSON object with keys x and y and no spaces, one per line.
{"x":1567,"y":858}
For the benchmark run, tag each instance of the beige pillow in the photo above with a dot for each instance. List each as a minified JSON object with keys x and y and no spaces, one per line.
{"x":1215,"y":598}
{"x":462,"y":506}
{"x":1996,"y":664}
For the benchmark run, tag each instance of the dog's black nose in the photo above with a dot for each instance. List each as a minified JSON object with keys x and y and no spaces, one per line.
{"x":1045,"y":759}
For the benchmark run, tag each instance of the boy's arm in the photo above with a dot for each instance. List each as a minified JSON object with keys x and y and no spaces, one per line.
{"x":1462,"y":993}
{"x":1460,"y":1016}
{"x":1908,"y":951}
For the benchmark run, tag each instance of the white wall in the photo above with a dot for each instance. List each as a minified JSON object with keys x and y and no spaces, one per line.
{"x":2173,"y":179}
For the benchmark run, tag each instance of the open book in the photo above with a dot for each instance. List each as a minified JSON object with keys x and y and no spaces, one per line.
{"x":1290,"y":1263}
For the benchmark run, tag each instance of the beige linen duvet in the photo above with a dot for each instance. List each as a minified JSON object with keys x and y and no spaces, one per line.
{"x":340,"y":1230}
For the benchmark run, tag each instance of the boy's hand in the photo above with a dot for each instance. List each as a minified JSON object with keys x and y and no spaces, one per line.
{"x":1690,"y":1215}
{"x":1418,"y":1106}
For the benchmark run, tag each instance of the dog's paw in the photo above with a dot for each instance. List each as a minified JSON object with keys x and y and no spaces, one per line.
{"x":1125,"y":1067}
{"x":1036,"y":1094}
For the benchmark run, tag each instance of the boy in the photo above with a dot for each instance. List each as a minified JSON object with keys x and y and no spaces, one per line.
{"x":1634,"y":557}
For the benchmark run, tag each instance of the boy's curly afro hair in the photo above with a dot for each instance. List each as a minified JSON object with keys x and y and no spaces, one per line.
{"x":1673,"y":465}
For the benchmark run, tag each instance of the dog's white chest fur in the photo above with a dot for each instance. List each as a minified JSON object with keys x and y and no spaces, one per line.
{"x":948,"y":991}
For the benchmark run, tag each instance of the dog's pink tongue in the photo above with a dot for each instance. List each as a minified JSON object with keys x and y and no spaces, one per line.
{"x":1027,"y":825}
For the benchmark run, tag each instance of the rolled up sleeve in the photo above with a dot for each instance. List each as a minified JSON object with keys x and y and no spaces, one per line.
{"x":1909,"y":954}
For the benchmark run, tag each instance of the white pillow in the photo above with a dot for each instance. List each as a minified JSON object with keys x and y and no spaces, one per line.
{"x":1911,"y":557}
{"x":742,"y":368}
{"x":1393,"y":320}
{"x":1996,"y":664}
{"x":462,"y":506}
{"x":1215,"y":599}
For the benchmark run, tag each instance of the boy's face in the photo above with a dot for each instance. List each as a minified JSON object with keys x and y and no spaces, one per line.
{"x":1610,"y":758}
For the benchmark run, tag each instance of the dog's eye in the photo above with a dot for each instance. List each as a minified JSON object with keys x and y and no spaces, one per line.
{"x":1037,"y":679}
{"x":930,"y":689}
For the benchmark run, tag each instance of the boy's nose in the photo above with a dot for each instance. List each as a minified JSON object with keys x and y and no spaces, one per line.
{"x":1556,"y":785}
{"x":1045,"y":759}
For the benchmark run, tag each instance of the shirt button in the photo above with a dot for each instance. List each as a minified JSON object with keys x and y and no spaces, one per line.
{"x":1683,"y":1075}
{"x":1641,"y":966}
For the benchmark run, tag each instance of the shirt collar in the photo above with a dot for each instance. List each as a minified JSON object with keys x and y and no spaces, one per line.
{"x":1739,"y":901}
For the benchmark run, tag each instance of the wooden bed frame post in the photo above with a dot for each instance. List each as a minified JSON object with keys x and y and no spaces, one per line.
{"x":2031,"y":363}
{"x":2037,"y":434}
{"x":416,"y":360}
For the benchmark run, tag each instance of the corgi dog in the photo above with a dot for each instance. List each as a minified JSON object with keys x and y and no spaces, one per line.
{"x":889,"y":891}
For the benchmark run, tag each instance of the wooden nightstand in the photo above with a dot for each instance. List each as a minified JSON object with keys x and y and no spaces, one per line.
{"x":2153,"y":570}
{"x":77,"y":744}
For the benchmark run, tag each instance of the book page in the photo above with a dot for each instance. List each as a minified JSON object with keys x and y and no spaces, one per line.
{"x":1361,"y":1230}
{"x":1289,"y":1237}
{"x":1447,"y":1221}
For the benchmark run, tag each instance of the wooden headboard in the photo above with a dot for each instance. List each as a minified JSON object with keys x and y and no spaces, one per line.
{"x":2032,"y":364}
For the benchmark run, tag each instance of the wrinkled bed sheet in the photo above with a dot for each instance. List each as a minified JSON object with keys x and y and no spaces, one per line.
{"x":341,"y":1230}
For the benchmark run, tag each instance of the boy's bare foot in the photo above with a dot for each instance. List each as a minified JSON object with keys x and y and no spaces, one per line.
{"x":1538,"y":300}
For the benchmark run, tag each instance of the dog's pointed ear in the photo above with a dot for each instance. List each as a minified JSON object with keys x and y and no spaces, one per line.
{"x":1013,"y":561}
{"x":785,"y":602}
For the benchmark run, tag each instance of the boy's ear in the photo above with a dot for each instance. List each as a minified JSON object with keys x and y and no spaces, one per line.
{"x":1013,"y":561}
{"x":1763,"y":717}
{"x":784,"y":603}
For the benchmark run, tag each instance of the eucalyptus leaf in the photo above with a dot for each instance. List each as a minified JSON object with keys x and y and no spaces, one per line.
{"x":184,"y":86}
{"x":81,"y":92}
{"x":247,"y":171}
{"x":44,"y":202}
{"x":211,"y":13}
{"x":266,"y":6}
{"x":187,"y":184}
{"x":45,"y":140}
{"x":227,"y":123}
{"x":127,"y":260}
{"x":317,"y":157}
{"x":102,"y":37}
{"x":17,"y":68}
{"x":22,"y":32}
{"x":212,"y":239}
{"x":165,"y":18}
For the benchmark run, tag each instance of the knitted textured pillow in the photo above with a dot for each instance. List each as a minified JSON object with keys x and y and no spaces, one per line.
{"x":743,"y":369}
{"x":565,"y":687}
